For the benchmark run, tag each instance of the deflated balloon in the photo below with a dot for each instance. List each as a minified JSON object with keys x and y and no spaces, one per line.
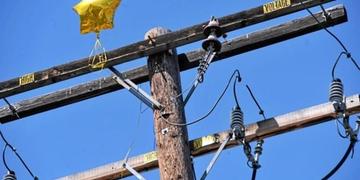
{"x":96,"y":15}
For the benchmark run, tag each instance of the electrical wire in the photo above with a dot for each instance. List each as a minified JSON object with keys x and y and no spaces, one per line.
{"x":341,"y":162}
{"x":337,"y":61}
{"x":323,"y":27}
{"x":253,"y":176}
{"x":135,"y":135}
{"x":345,"y":51}
{"x":4,"y":160}
{"x":255,"y":166}
{"x":337,"y":122}
{"x":261,"y":111}
{"x":237,"y":73}
{"x":18,"y":156}
{"x":12,"y":108}
{"x":238,"y":78}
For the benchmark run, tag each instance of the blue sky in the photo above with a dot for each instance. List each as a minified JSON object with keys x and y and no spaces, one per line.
{"x":285,"y":77}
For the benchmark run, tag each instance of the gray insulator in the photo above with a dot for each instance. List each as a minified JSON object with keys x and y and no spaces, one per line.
{"x":237,"y":123}
{"x":10,"y":176}
{"x":336,"y":92}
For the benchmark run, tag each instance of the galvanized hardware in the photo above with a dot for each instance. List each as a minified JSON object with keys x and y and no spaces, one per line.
{"x":135,"y":90}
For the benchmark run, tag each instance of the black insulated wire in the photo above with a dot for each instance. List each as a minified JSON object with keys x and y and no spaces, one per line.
{"x":334,"y":36}
{"x":341,"y":162}
{"x":7,"y":144}
{"x":12,"y":108}
{"x":236,"y":73}
{"x":348,"y":55}
{"x":323,"y":27}
{"x":261,"y":111}
{"x":253,"y":176}
{"x":4,"y":158}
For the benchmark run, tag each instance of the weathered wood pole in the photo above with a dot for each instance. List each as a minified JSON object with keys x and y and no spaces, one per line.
{"x":171,"y":141}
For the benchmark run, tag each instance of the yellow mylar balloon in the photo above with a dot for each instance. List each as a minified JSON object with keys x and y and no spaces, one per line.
{"x":96,"y":15}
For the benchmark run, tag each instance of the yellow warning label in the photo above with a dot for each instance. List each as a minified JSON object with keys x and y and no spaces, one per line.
{"x":151,"y":156}
{"x":276,"y":5}
{"x":26,"y":79}
{"x":204,"y":141}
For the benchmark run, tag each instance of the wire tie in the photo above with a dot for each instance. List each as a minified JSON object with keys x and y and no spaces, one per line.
{"x":325,"y":13}
{"x":152,"y":41}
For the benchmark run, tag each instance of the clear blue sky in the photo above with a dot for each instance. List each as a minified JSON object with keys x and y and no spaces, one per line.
{"x":285,"y":77}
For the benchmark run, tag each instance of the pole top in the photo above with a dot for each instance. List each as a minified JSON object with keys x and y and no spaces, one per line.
{"x":155,"y":32}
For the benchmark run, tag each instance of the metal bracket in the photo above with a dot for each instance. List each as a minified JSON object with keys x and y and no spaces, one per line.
{"x":133,"y":171}
{"x":213,"y":160}
{"x":135,"y":90}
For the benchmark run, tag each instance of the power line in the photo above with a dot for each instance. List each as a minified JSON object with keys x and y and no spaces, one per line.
{"x":261,"y":111}
{"x":7,"y":144}
{"x":237,"y":73}
{"x":348,"y":55}
{"x":341,"y":162}
{"x":345,"y":50}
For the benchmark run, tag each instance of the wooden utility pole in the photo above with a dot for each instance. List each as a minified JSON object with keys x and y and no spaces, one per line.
{"x":273,"y":126}
{"x":171,"y":141}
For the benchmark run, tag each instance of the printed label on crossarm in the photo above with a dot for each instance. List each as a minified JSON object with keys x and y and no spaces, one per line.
{"x":151,"y":156}
{"x":276,"y":5}
{"x":26,"y":79}
{"x":204,"y":141}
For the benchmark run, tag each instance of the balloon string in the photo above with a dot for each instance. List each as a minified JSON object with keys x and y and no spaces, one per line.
{"x":97,"y":57}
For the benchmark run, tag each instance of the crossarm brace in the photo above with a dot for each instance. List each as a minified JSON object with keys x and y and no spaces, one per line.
{"x":216,"y":156}
{"x":135,"y":90}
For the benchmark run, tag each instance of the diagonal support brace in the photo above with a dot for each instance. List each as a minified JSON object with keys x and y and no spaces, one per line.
{"x":133,"y":171}
{"x":213,"y":160}
{"x":135,"y":90}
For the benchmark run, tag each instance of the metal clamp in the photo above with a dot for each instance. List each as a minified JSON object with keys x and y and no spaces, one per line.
{"x":135,"y":90}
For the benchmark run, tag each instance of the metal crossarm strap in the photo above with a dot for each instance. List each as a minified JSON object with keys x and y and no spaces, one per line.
{"x":135,"y":90}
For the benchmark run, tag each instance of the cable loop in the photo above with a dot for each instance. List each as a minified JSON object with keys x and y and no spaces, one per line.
{"x":164,"y":115}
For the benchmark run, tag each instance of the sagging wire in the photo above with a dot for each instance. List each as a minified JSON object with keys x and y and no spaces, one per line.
{"x":336,"y":96}
{"x":11,"y":172}
{"x":348,"y":55}
{"x":236,"y":74}
{"x":353,"y":139}
{"x":345,"y":51}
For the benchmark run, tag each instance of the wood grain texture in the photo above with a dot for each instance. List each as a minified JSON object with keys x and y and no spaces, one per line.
{"x":145,"y":48}
{"x":171,"y":141}
{"x":187,"y":61}
{"x":262,"y":129}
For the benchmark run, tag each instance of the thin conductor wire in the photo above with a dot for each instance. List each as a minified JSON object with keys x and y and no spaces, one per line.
{"x":237,"y":73}
{"x":136,"y":132}
{"x":7,"y":144}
